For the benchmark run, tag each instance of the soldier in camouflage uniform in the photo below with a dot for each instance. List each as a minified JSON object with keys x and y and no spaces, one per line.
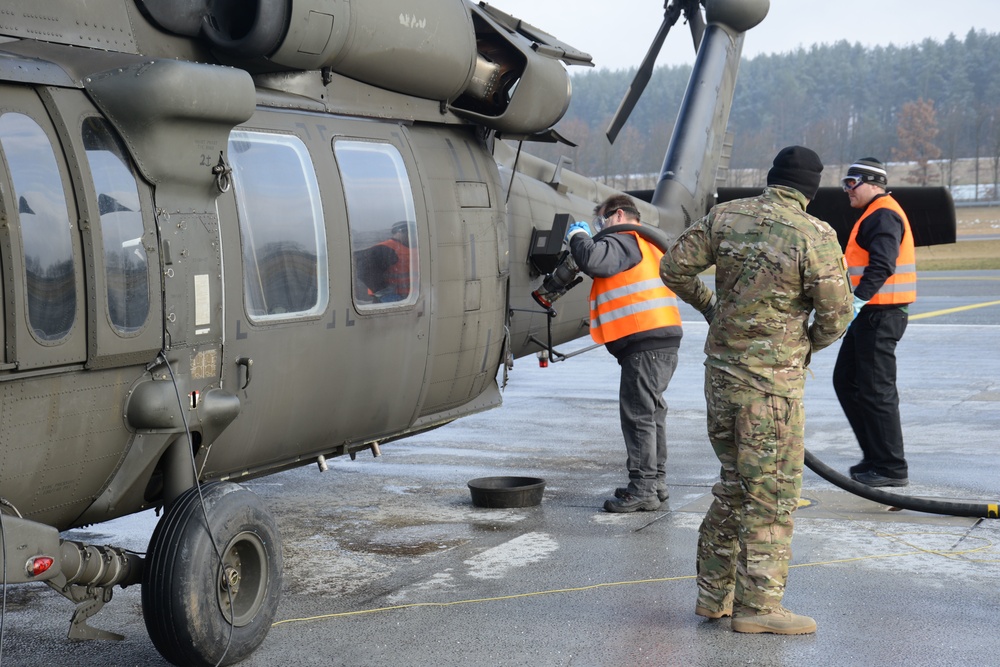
{"x":775,"y":265}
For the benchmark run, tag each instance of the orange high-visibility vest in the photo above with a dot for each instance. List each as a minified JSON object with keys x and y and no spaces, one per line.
{"x":398,"y":275}
{"x":901,"y":287}
{"x":632,"y":301}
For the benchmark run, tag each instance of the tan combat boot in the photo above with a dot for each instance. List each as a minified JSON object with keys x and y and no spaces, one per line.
{"x":780,"y":622}
{"x":705,"y":608}
{"x":707,"y":613}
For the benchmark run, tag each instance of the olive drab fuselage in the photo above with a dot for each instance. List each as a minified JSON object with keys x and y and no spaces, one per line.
{"x":186,"y":201}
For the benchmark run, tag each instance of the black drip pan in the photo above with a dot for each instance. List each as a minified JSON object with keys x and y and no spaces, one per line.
{"x":504,"y":492}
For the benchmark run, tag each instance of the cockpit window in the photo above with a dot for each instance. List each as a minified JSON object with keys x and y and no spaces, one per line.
{"x":285,"y":270}
{"x":46,"y":232}
{"x":382,"y":222}
{"x":125,"y":259}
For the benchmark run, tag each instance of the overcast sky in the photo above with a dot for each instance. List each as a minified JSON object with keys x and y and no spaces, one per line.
{"x":617,"y":34}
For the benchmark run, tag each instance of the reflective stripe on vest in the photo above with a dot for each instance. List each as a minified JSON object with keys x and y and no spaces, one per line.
{"x":632,"y":301}
{"x":901,"y":287}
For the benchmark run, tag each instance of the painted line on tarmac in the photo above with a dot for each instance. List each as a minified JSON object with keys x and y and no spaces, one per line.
{"x":924,"y":276}
{"x":949,"y":311}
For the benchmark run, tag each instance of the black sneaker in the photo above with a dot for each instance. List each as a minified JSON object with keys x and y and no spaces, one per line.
{"x":662,"y":494}
{"x":861,"y":466}
{"x":872,"y":478}
{"x":630,"y":503}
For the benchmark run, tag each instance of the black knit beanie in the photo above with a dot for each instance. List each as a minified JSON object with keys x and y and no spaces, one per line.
{"x":869,"y":170}
{"x":797,"y":167}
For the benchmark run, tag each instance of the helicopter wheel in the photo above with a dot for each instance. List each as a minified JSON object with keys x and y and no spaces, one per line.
{"x":196,"y":608}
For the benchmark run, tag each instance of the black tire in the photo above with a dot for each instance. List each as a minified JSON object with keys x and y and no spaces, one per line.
{"x":185,"y":605}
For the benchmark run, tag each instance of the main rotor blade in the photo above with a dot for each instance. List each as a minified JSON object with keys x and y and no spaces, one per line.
{"x":641,"y":79}
{"x":692,"y":14}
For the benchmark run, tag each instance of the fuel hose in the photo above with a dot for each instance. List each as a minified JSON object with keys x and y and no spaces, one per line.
{"x":986,"y":510}
{"x":981,"y":509}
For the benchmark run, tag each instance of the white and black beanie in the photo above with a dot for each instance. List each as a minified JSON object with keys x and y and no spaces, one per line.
{"x":869,"y":170}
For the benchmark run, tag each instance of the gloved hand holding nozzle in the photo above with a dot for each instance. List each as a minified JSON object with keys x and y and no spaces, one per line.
{"x":577,"y":228}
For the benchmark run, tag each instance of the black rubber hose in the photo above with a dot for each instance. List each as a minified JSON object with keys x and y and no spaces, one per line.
{"x":654,"y":235}
{"x":986,"y":510}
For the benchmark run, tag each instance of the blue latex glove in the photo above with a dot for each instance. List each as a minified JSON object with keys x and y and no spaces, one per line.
{"x":858,"y":305}
{"x":578,"y":228}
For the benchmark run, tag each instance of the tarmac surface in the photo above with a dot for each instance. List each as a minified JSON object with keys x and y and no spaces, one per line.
{"x":387,"y":562}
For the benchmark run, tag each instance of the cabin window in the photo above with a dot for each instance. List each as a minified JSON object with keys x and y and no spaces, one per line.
{"x":382,"y":223}
{"x":46,"y":231}
{"x":285,"y":271}
{"x":126,"y":264}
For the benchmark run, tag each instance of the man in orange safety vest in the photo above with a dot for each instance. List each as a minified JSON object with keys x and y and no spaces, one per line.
{"x":636,"y":318}
{"x":881,"y":264}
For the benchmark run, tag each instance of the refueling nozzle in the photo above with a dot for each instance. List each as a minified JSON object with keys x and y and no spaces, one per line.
{"x":562,"y":279}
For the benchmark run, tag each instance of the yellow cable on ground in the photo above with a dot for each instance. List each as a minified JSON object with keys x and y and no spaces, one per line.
{"x":916,"y":551}
{"x":492,"y":599}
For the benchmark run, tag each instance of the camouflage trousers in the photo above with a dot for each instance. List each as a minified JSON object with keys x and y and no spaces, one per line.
{"x":744,"y":542}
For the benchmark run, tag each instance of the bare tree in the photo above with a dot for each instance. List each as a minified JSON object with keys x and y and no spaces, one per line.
{"x":955,"y":124}
{"x":916,"y":132}
{"x":629,"y":149}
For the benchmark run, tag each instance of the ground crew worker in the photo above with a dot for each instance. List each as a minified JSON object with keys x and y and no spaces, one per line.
{"x":882,"y":265}
{"x":637,"y":320}
{"x":385,"y":267}
{"x":774,"y":266}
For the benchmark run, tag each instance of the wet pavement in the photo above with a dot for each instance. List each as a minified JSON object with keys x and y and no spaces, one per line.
{"x":387,"y":562}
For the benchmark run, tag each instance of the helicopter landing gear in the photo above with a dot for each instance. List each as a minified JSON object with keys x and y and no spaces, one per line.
{"x":198,"y":607}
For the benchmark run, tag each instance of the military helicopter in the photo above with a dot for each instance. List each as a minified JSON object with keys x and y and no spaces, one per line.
{"x":243,"y":237}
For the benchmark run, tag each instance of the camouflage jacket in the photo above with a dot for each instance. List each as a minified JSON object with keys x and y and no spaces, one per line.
{"x":775,"y":265}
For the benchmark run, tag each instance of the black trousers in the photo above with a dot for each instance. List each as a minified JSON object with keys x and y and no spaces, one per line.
{"x":865,"y":381}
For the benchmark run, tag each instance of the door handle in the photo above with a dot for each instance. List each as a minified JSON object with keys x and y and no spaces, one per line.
{"x":247,"y":363}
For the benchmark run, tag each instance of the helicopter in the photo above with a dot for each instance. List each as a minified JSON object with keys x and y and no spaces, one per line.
{"x":242,"y":237}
